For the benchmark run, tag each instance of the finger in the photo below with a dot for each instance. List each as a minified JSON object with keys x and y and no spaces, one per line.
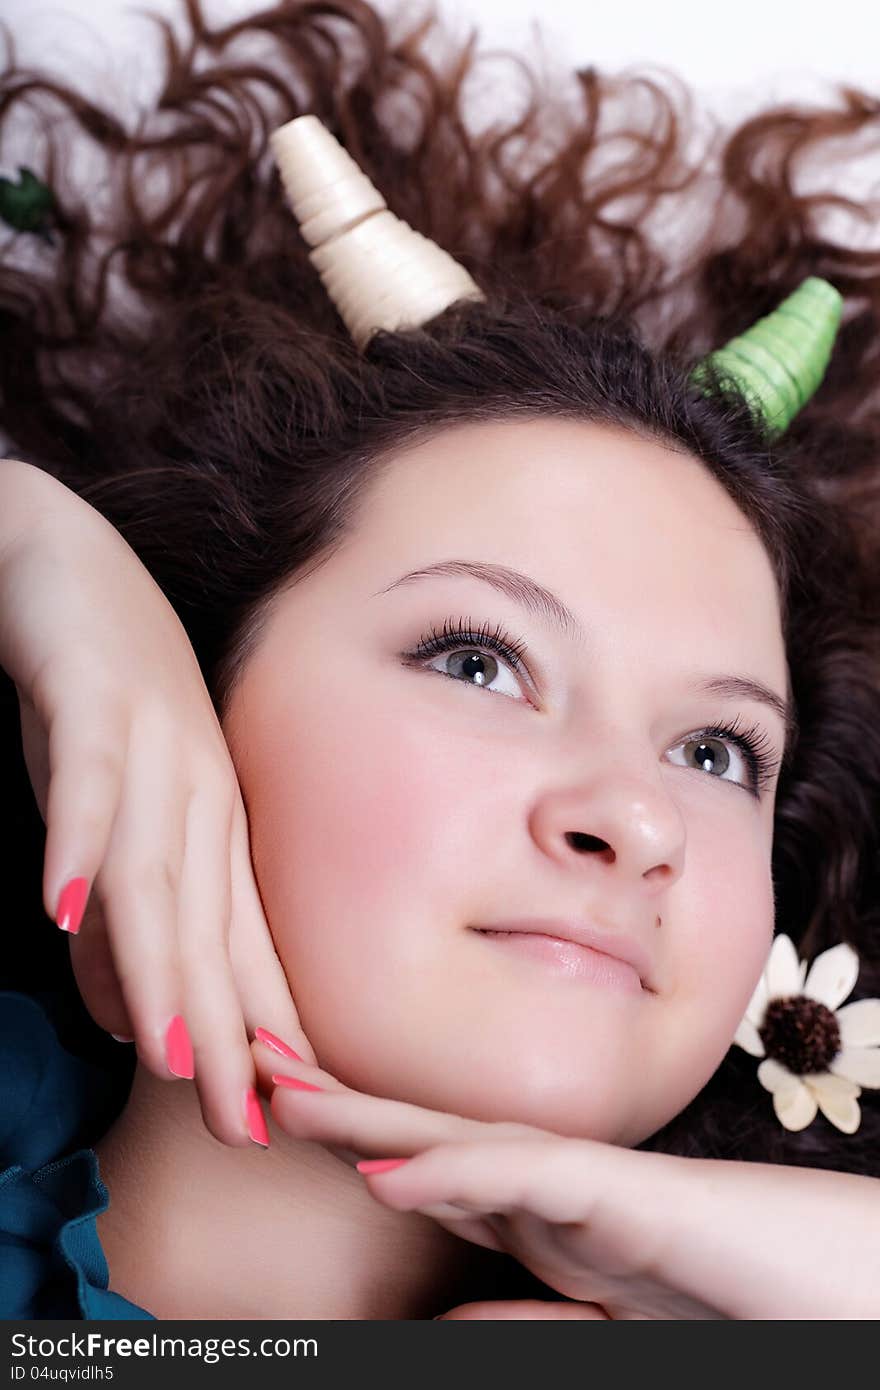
{"x":224,"y":1070}
{"x":138,"y":886}
{"x":85,"y":787}
{"x":612,"y":1210}
{"x":270,"y":1061}
{"x":372,"y":1125}
{"x":94,"y":970}
{"x":269,"y":1053}
{"x":263,"y":987}
{"x":532,"y":1309}
{"x":558,"y":1181}
{"x":34,"y":747}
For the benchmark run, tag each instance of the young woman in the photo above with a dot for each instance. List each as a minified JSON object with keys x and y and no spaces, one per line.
{"x":257,"y":543}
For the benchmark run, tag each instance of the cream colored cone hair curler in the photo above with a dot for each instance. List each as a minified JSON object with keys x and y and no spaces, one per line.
{"x":376,"y":269}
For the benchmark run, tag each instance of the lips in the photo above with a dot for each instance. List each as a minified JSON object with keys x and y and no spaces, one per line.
{"x":617,"y":944}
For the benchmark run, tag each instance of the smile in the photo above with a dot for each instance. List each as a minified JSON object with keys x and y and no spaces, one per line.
{"x":566,"y":958}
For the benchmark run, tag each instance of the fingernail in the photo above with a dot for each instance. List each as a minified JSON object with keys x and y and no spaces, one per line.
{"x":72,"y":905}
{"x":379,"y":1165}
{"x":179,"y":1049}
{"x":256,"y":1120}
{"x":294,"y":1084}
{"x":121,"y":1037}
{"x":276,"y":1044}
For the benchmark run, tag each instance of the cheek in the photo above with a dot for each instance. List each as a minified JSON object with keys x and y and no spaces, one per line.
{"x":375,"y":806}
{"x":741,"y":933}
{"x":725,"y":946}
{"x":338,"y":816}
{"x":358,"y":822}
{"x":719,"y":955}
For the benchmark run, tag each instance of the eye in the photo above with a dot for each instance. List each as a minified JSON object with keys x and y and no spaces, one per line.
{"x":474,"y":656}
{"x":713,"y":756}
{"x":753,"y":754}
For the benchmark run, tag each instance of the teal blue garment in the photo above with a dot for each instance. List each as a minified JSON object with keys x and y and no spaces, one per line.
{"x":51,"y":1261}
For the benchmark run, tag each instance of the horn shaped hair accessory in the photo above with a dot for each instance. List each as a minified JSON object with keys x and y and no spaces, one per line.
{"x":381,"y":274}
{"x":376,"y":269}
{"x":780,"y":361}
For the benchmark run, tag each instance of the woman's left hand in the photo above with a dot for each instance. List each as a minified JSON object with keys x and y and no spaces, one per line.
{"x":626,"y":1233}
{"x":600,"y":1224}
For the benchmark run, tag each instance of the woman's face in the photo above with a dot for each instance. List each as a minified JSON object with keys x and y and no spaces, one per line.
{"x":399,"y":805}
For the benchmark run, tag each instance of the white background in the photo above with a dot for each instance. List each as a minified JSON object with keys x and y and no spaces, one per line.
{"x":735,"y":55}
{"x":736,"y":58}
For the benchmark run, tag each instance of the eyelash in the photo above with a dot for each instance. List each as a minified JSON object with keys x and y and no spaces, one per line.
{"x":752,"y":741}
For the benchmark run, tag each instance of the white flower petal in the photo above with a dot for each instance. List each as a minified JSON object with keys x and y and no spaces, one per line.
{"x":824,"y":1083}
{"x":758,"y":1002}
{"x":833,"y":975}
{"x":773,"y":1075}
{"x":805,"y":965}
{"x":782,"y":969}
{"x":859,"y":1064}
{"x":837,"y":1100}
{"x":746,"y":1036}
{"x":860,"y":1023}
{"x":795,"y":1105}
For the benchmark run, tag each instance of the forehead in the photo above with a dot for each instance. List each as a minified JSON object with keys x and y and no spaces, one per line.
{"x":635,"y":537}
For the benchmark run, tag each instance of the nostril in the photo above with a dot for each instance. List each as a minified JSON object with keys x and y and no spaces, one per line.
{"x":578,"y":839}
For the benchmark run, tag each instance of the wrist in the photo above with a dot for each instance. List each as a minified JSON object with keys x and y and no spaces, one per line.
{"x":29,"y":496}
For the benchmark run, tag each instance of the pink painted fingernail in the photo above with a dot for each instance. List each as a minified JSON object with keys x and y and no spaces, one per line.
{"x":379,"y":1165}
{"x":294,"y":1084}
{"x":72,"y":905}
{"x":256,"y":1120}
{"x":276,"y":1044}
{"x":179,"y":1049}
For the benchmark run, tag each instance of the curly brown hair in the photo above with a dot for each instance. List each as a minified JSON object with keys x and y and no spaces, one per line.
{"x":175,"y":360}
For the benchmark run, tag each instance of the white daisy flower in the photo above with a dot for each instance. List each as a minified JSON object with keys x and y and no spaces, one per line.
{"x":817,"y":1056}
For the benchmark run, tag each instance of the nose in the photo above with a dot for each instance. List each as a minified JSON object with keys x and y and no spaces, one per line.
{"x":610,"y":821}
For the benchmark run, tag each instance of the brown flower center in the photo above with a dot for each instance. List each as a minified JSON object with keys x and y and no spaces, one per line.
{"x":800,"y":1033}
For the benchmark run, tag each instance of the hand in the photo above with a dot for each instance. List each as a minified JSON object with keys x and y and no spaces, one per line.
{"x":139,"y":795}
{"x":629,"y":1234}
{"x":524,"y":1310}
{"x":595,"y":1222}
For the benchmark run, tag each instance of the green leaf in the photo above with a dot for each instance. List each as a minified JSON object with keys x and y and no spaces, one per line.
{"x":28,"y":205}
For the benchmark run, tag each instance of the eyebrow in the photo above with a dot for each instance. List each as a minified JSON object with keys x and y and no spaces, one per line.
{"x":550,"y":609}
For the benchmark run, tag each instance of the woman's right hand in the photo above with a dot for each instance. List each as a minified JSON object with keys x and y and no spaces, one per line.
{"x":139,"y":795}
